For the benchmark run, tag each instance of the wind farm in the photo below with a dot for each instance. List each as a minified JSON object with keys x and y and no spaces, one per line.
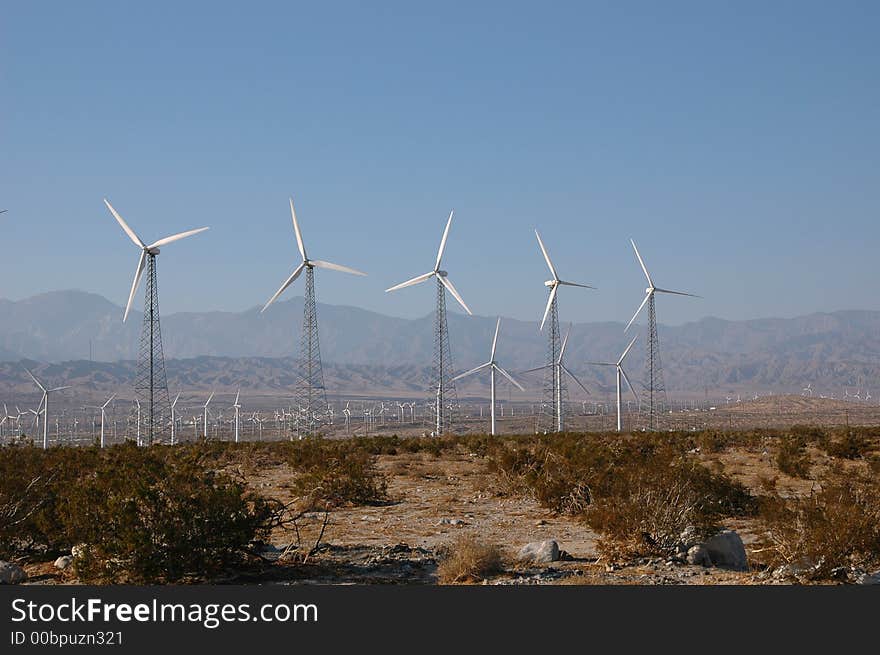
{"x":526,"y":205}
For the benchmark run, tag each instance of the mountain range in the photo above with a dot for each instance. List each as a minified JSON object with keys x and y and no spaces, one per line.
{"x":81,"y":336}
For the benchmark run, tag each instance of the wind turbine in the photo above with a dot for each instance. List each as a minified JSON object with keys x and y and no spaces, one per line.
{"x":173,"y":419}
{"x":207,"y":402}
{"x":310,"y":391}
{"x":559,"y":368}
{"x":103,"y":409}
{"x":237,"y":418}
{"x":150,"y":380}
{"x":555,"y":382}
{"x":442,"y":384}
{"x":493,"y":366}
{"x":45,"y":403}
{"x":620,"y":373}
{"x":655,"y":384}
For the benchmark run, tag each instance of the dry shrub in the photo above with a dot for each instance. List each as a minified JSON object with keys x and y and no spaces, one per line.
{"x":792,"y":457}
{"x":837,"y":525}
{"x":336,"y":474}
{"x":850,"y":446}
{"x":639,"y":494}
{"x":469,"y":560}
{"x":650,"y":505}
{"x":147,"y":514}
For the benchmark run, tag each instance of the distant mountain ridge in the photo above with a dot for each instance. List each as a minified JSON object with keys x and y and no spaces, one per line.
{"x":829,"y":349}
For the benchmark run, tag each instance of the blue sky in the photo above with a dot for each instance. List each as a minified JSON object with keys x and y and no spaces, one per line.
{"x":736,"y":142}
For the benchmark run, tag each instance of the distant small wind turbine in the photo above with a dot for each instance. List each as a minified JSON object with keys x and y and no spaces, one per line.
{"x":492,"y":366}
{"x":620,"y":373}
{"x":45,"y":404}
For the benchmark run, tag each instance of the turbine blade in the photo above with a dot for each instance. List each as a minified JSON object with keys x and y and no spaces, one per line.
{"x":546,"y":257}
{"x":176,"y":237}
{"x":58,"y":389}
{"x":625,"y":352}
{"x":237,"y":393}
{"x":678,"y":293}
{"x":575,"y":284}
{"x":509,"y":377}
{"x":336,"y":267}
{"x":409,"y":283}
{"x":176,"y":398}
{"x":448,"y":284}
{"x":549,"y":304}
{"x":134,"y":284}
{"x":574,"y":377}
{"x":290,"y":280}
{"x":629,"y":384}
{"x":647,"y":295}
{"x":472,"y":371}
{"x":208,"y":402}
{"x":36,"y":381}
{"x":109,"y":400}
{"x":299,"y":239}
{"x":564,"y":343}
{"x":601,"y":364}
{"x":131,"y":235}
{"x":644,"y":268}
{"x":532,"y":370}
{"x":495,"y":339}
{"x":443,"y":241}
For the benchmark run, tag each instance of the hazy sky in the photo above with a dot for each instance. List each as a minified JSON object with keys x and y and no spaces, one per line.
{"x":737,"y":142}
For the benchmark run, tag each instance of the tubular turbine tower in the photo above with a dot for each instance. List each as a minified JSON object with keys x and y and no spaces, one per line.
{"x":151,"y":386}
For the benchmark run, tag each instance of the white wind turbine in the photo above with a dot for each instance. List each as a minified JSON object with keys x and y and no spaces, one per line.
{"x":207,"y":402}
{"x":103,"y":409}
{"x":174,"y":418}
{"x":157,"y":393}
{"x":45,"y":403}
{"x":442,"y":383}
{"x":492,"y":365}
{"x":620,"y":373}
{"x":555,"y":283}
{"x":560,"y":368}
{"x":237,"y":418}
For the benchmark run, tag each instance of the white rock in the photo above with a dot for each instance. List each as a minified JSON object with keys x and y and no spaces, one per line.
{"x":727,"y":551}
{"x":540,"y":552}
{"x":11,"y":573}
{"x":78,"y":550}
{"x":63,"y":562}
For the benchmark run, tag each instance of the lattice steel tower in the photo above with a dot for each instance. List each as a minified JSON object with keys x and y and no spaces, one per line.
{"x":555,"y":390}
{"x":443,"y":397}
{"x":151,"y":386}
{"x":310,"y":395}
{"x":654,"y":402}
{"x":443,"y":400}
{"x":150,"y":383}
